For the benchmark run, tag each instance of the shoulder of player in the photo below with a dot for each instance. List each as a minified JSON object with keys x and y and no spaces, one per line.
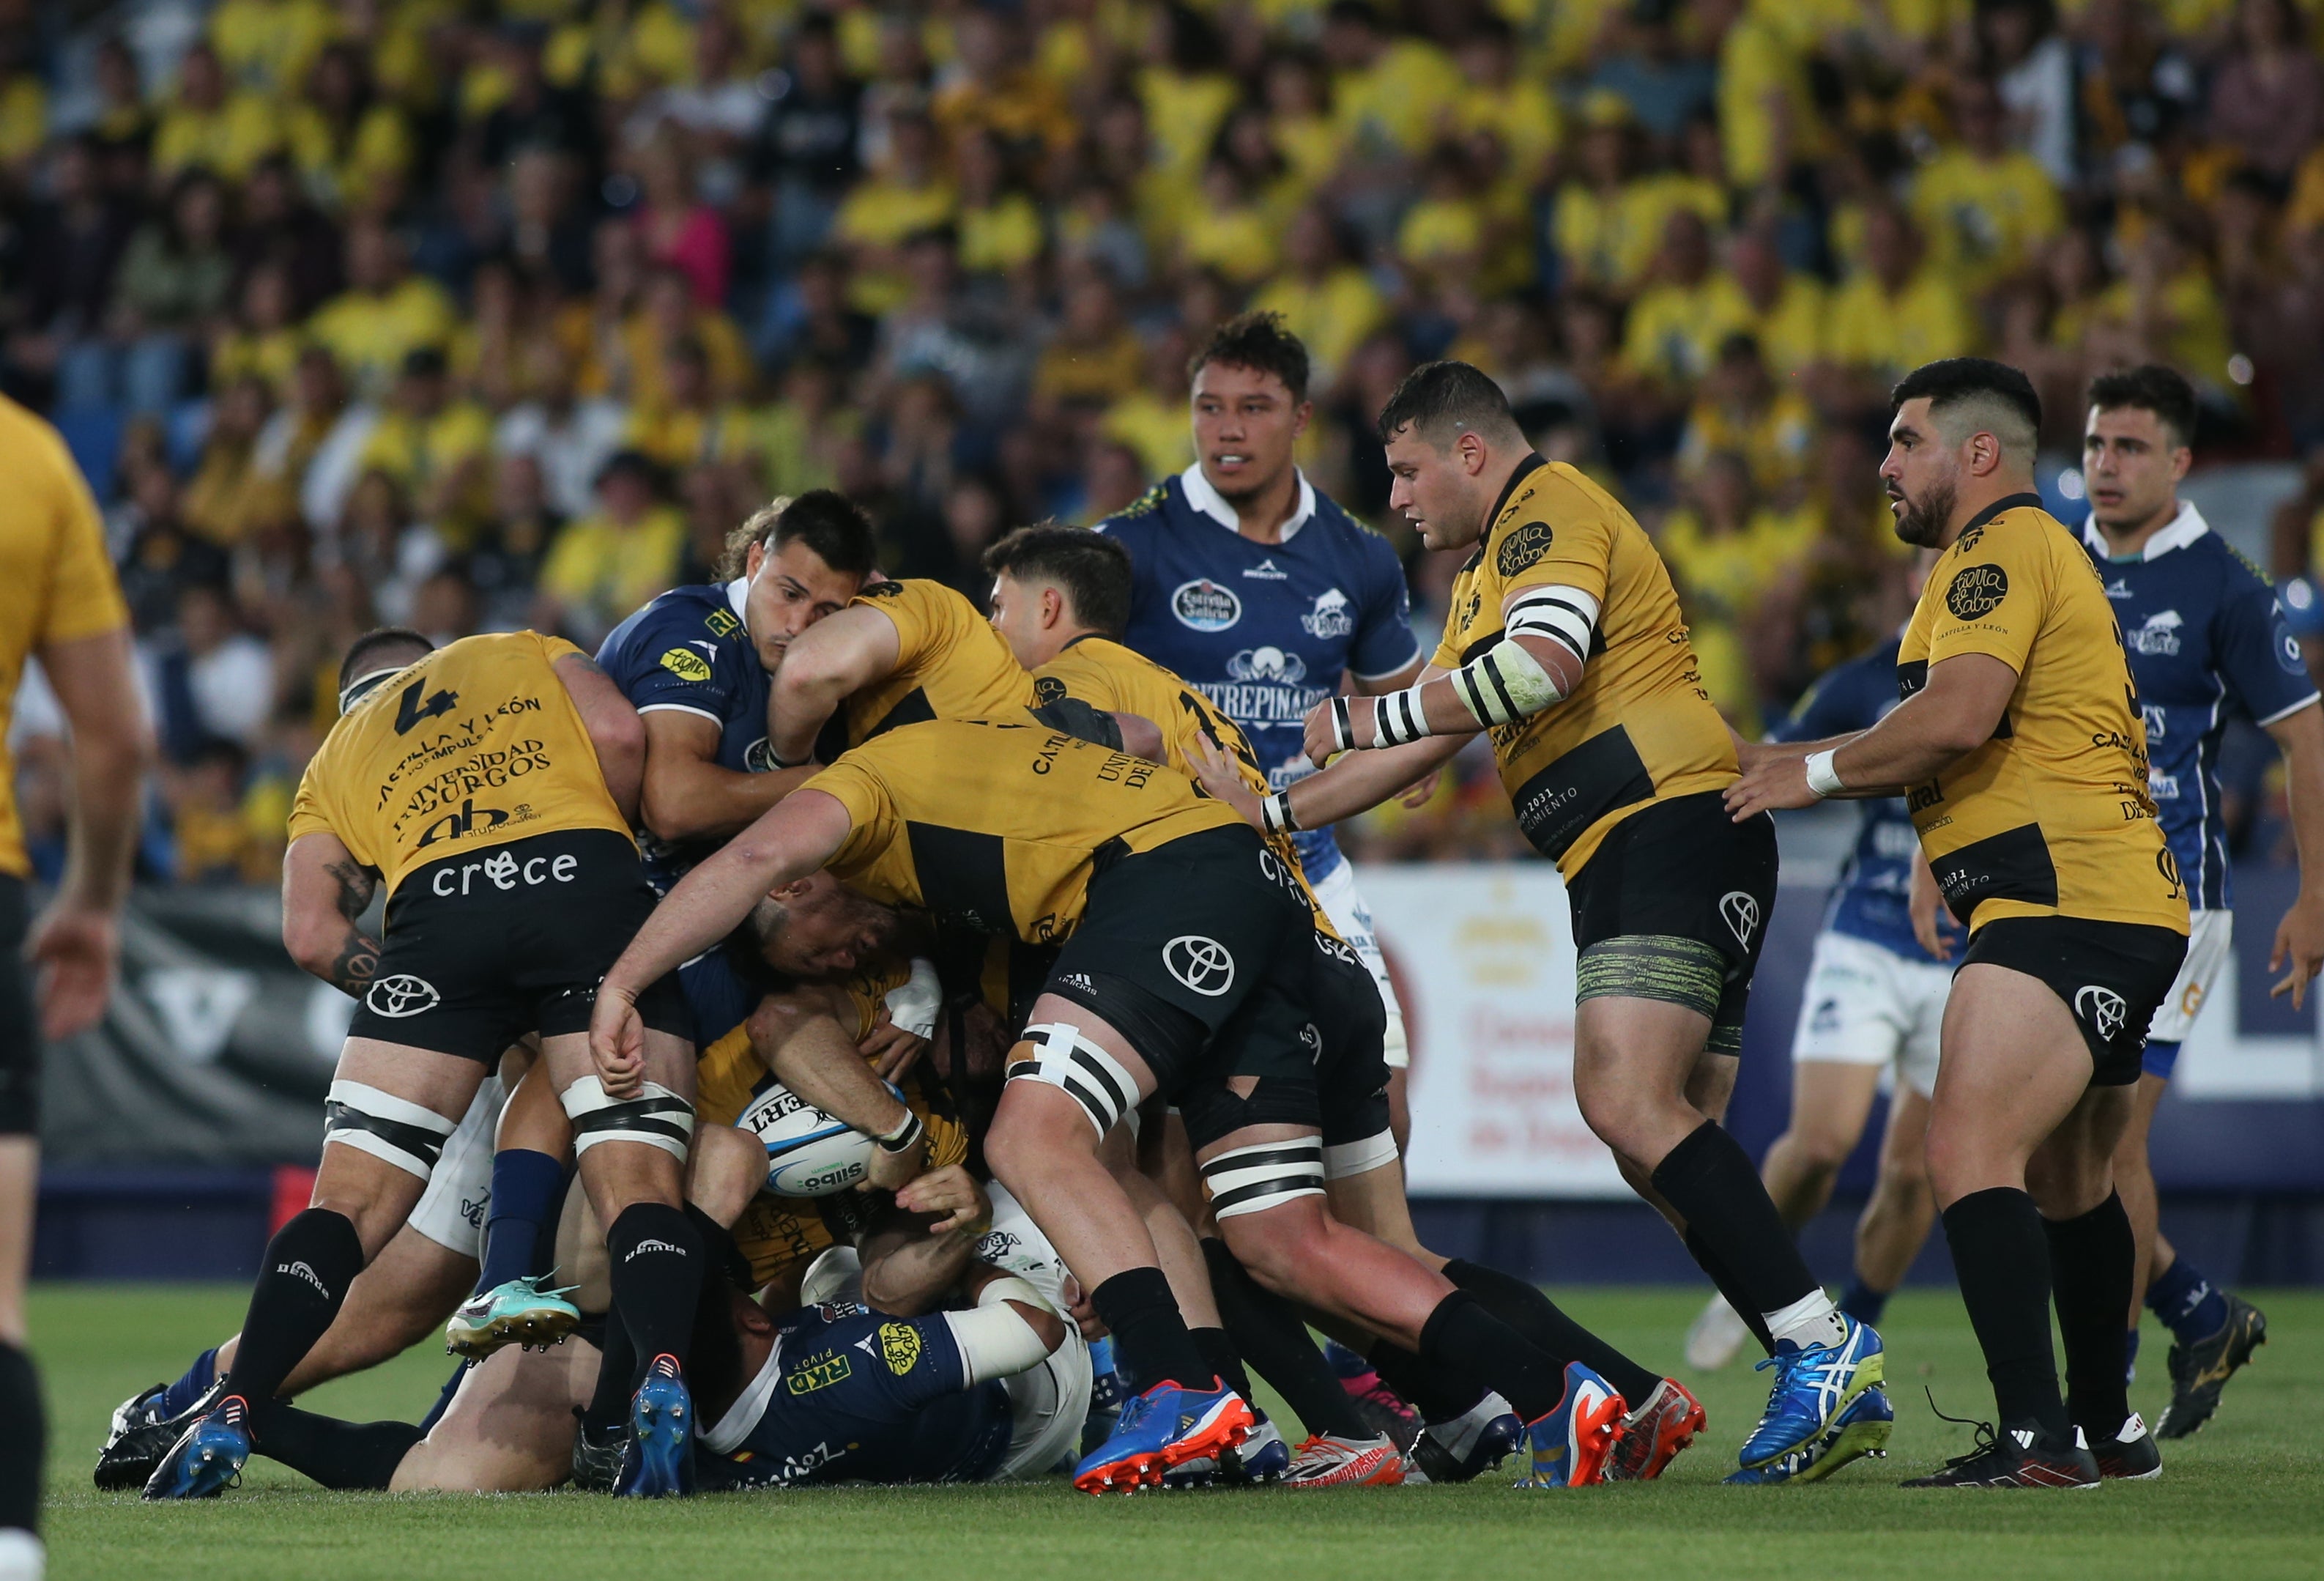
{"x":1139,"y":514}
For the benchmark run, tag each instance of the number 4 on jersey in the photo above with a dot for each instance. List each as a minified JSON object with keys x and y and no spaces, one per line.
{"x":410,"y":711}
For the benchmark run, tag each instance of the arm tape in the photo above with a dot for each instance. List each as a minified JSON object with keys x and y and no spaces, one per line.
{"x":994,"y":1341}
{"x":1560,"y":614}
{"x":1504,"y":684}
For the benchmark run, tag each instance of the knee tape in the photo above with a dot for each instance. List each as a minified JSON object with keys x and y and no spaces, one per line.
{"x":1086,"y":1073}
{"x":1347,"y":1159}
{"x":656,"y":1117}
{"x":1668,"y":967}
{"x":401,"y":1132}
{"x":1267,"y":1174}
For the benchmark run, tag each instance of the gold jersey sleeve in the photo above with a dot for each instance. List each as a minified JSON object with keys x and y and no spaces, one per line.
{"x":998,"y":828}
{"x":2050,"y":817}
{"x":477,"y":744}
{"x":56,"y":583}
{"x":1106,"y":675}
{"x":1640,"y":728}
{"x":950,"y":663}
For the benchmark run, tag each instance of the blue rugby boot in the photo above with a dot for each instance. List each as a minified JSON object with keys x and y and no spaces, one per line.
{"x":659,"y":1460}
{"x":1814,"y":1384}
{"x":209,"y":1459}
{"x":1568,"y":1448}
{"x":1164,"y":1427}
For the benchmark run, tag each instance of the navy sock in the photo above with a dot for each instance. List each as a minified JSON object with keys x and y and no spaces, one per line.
{"x":443,"y":1400}
{"x":2190,"y":1306}
{"x":526,"y":1186}
{"x":1864,"y":1303}
{"x":180,"y":1396}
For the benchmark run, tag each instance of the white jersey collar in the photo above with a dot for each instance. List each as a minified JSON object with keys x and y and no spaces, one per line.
{"x":2180,"y":531}
{"x":1210,"y":503}
{"x":738,"y":596}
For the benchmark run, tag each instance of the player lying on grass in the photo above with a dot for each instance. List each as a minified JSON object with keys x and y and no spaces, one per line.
{"x":1061,"y":597}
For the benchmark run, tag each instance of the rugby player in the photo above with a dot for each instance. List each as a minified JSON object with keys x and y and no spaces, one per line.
{"x":2019,"y":748}
{"x":1565,"y":640}
{"x":58,"y":600}
{"x":1184,"y":964}
{"x":1062,"y":598}
{"x":490,"y":786}
{"x":1873,"y":1003}
{"x":1264,"y":593}
{"x":2206,"y":638}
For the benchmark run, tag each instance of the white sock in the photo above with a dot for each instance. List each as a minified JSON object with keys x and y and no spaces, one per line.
{"x":1812,"y":1319}
{"x":22,"y":1557}
{"x":1459,"y":1434}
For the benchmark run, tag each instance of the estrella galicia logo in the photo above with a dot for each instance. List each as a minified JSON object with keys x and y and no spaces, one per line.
{"x":1331,"y":617}
{"x":1741,"y":912}
{"x":2103,"y":1008}
{"x":1977,"y":590}
{"x":1267,"y":664}
{"x":460,"y":825}
{"x":1526,"y":544}
{"x":1203,"y":606}
{"x":1202,"y":965}
{"x":401,"y":995}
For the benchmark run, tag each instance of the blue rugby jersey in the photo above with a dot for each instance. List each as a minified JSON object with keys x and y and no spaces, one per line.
{"x":1871,"y":901}
{"x":687,"y":651}
{"x":2206,"y":638}
{"x":850,"y":1395}
{"x":1265,"y":629}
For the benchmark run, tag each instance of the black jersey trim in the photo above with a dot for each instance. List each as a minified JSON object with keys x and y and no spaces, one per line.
{"x":2016,"y":502}
{"x":1581,"y":787}
{"x":2012,"y":865}
{"x":912,"y":709}
{"x":964,"y":876}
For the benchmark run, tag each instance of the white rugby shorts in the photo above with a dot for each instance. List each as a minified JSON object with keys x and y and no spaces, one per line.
{"x":2210,"y":936}
{"x":459,"y":1196}
{"x":1867,"y":1005}
{"x":1344,"y":905}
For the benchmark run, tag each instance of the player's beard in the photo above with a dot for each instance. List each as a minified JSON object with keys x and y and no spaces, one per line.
{"x":1923,"y":524}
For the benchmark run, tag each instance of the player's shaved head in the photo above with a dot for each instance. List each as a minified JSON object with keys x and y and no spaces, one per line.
{"x":378,"y":651}
{"x":1090,"y":569}
{"x":1972,"y":395}
{"x":1440,"y":400}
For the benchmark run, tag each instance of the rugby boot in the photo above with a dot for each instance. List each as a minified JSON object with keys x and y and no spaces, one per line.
{"x":1326,"y":1462}
{"x":659,"y":1461}
{"x":1654,"y":1432}
{"x":2129,"y":1454}
{"x":1381,"y":1407}
{"x":1465,"y":1448}
{"x":519,"y":1312}
{"x":2198,"y":1371}
{"x":208,"y":1457}
{"x":141,"y":1435}
{"x":1715,"y":1336}
{"x":1569,"y":1446}
{"x":598,"y":1454}
{"x":2018,"y":1457}
{"x":1165,"y":1427}
{"x":1814,"y":1384}
{"x":1861,"y":1431}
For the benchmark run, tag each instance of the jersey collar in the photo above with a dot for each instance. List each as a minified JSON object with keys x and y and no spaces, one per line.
{"x":738,"y":596}
{"x":2016,"y":502}
{"x":2178,"y":533}
{"x":1210,"y":503}
{"x":1532,"y":463}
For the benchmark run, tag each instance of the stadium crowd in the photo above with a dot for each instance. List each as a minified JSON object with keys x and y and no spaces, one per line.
{"x":481,"y":316}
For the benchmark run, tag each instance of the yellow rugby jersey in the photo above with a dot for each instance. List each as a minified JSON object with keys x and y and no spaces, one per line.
{"x":1640,"y":728}
{"x":1107,"y":676}
{"x":2050,"y":817}
{"x":1000,"y":828}
{"x":950,"y":663}
{"x":56,"y":583}
{"x":477,"y":744}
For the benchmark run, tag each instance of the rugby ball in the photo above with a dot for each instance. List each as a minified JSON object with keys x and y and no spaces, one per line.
{"x":808,"y":1152}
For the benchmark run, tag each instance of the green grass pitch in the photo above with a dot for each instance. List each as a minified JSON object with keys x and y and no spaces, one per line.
{"x":2244,"y":1499}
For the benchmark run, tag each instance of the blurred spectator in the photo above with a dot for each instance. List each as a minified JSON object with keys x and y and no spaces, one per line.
{"x":2267,"y":98}
{"x":566,"y":435}
{"x":679,"y":230}
{"x":212,"y":680}
{"x":602,"y":566}
{"x":385,"y":313}
{"x":172,"y":281}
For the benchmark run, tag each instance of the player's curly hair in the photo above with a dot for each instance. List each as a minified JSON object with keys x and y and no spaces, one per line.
{"x":1258,"y":341}
{"x":826,"y":520}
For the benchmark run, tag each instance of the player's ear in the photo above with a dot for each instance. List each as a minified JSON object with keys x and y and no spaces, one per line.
{"x":1053,"y":606}
{"x":753,"y":558}
{"x":1300,"y":415}
{"x":2182,"y":459}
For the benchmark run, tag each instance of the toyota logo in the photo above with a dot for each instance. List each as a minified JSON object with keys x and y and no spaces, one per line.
{"x":400,"y":995}
{"x":1742,"y":914}
{"x":1203,"y":965}
{"x":2103,"y":1008}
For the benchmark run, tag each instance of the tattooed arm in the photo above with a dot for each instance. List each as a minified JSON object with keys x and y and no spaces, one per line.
{"x":324,"y":890}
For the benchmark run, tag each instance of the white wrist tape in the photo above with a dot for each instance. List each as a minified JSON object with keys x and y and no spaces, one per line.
{"x":1503,"y":684}
{"x":1824,"y":779}
{"x":1343,"y":734}
{"x":914,"y":1005}
{"x":1275,"y":813}
{"x":1398,"y":717}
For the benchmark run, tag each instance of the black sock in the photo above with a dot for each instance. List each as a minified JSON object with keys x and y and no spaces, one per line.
{"x":1438,"y":1394}
{"x":302,"y":1281}
{"x":1219,"y":1354}
{"x":1707,"y":1259}
{"x":609,"y":1404}
{"x":1460,"y":1333}
{"x":24,"y":1444}
{"x":1524,"y":1307}
{"x":337,"y":1454}
{"x":2092,"y":1262}
{"x":1151,"y":1341}
{"x":656,"y":1255}
{"x":1710,"y":1179}
{"x":2002,"y":1260}
{"x":1267,"y":1330}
